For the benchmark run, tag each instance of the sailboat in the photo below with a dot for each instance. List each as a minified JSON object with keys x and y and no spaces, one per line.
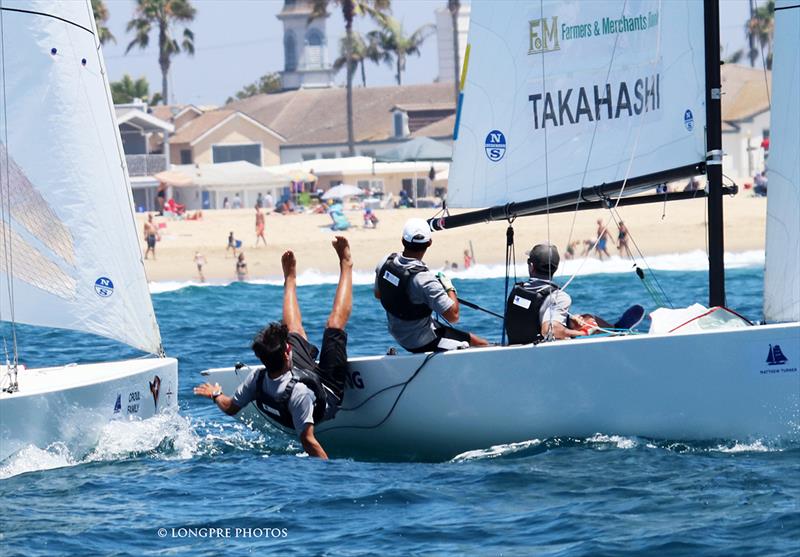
{"x":69,"y":250}
{"x":569,"y":105}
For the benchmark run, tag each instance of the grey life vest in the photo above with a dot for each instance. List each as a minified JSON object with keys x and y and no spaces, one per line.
{"x":393,"y":283}
{"x":523,"y":324}
{"x":326,"y":403}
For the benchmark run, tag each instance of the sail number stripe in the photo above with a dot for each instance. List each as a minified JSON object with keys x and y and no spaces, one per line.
{"x":79,"y":26}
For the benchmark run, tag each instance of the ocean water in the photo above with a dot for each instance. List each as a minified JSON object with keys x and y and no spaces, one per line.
{"x":200,"y":483}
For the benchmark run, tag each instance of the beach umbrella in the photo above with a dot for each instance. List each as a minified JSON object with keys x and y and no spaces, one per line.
{"x":342,"y":191}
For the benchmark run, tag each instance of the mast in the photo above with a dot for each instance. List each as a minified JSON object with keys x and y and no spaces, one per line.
{"x":716,"y":245}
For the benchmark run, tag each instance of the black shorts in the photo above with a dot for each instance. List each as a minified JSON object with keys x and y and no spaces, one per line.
{"x":332,"y":366}
{"x":442,"y":332}
{"x":151,"y":241}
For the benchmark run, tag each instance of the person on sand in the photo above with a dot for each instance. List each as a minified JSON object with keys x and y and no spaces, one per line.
{"x":622,"y":240}
{"x":467,"y":258}
{"x":602,"y":240}
{"x":231,"y":244}
{"x":200,"y":261}
{"x":292,"y":389}
{"x":410,"y":293}
{"x":260,"y":226}
{"x":241,"y":268}
{"x":150,"y":236}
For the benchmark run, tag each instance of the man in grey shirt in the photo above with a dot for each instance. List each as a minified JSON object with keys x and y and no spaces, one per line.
{"x":410,"y":294}
{"x":292,"y":389}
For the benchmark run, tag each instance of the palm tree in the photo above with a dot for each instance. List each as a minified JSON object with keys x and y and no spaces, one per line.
{"x":359,"y":52}
{"x":163,"y":14}
{"x":100,"y":11}
{"x":267,"y":83}
{"x":453,"y":6}
{"x":761,"y":27}
{"x":350,"y":9}
{"x":126,"y":89}
{"x":399,"y":46}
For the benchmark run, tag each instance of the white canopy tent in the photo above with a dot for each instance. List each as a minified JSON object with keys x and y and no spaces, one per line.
{"x":192,"y":184}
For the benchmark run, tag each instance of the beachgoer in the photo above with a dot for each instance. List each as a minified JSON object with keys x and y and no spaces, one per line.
{"x":241,"y":267}
{"x":538,"y":309}
{"x":161,"y":197}
{"x":467,"y":258}
{"x":260,"y":226}
{"x":259,"y":201}
{"x":370,"y":220}
{"x":292,"y":389}
{"x":602,"y":240}
{"x":231,"y":244}
{"x":692,"y":185}
{"x":150,"y":236}
{"x":571,"y":247}
{"x":410,"y":293}
{"x":226,"y":204}
{"x":268,"y":201}
{"x":237,"y":202}
{"x":622,"y":239}
{"x":200,"y":261}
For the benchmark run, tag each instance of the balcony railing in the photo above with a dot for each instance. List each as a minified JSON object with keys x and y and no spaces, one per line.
{"x":145,"y":165}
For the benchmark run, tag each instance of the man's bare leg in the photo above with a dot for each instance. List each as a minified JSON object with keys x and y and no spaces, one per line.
{"x":291,"y":310}
{"x":343,"y":300}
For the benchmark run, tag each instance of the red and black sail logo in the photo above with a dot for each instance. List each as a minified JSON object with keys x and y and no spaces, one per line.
{"x":155,"y":387}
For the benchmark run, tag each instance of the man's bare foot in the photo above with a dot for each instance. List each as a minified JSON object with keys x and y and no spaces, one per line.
{"x":289,"y":264}
{"x":342,"y":247}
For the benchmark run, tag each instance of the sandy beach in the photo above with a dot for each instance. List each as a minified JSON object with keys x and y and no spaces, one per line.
{"x":676,"y":227}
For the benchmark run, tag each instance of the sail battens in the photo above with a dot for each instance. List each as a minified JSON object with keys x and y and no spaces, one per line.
{"x":43,"y":14}
{"x":75,"y":261}
{"x":593,"y":92}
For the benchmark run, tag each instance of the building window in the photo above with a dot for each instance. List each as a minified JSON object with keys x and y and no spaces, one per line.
{"x":314,"y":41}
{"x":186,"y":156}
{"x":328,"y":155}
{"x":289,"y":52}
{"x":400,"y":124}
{"x":368,"y":153}
{"x":229,"y":153}
{"x":309,"y":156}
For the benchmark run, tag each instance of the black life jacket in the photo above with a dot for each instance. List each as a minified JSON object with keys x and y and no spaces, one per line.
{"x":393,"y":282}
{"x":326,"y":402}
{"x":523,"y":324}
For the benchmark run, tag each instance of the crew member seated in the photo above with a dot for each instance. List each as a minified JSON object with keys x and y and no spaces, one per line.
{"x":410,"y":293}
{"x":538,"y":309}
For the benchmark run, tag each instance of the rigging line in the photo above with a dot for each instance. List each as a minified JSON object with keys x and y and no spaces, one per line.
{"x":6,"y":210}
{"x":594,"y":133}
{"x":33,"y":12}
{"x":405,"y":385}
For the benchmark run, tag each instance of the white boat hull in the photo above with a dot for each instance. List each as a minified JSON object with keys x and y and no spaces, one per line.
{"x":700,"y":386}
{"x":71,"y":404}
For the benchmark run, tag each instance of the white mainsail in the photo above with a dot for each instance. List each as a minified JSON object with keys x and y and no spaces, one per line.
{"x":561,"y":95}
{"x":69,"y":241}
{"x":782,"y":273}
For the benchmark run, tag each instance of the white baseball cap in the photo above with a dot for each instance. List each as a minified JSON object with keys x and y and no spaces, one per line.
{"x":417,"y":231}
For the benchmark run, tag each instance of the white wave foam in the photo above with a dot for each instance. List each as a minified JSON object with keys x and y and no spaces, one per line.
{"x":118,"y":439}
{"x":754,"y":447}
{"x":495,"y":451}
{"x":617,"y":440}
{"x":692,"y":261}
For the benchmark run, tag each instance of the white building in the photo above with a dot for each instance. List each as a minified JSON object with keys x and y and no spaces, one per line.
{"x":305,"y":47}
{"x":444,"y":39}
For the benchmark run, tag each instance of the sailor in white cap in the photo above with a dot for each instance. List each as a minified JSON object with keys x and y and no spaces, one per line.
{"x":410,"y":293}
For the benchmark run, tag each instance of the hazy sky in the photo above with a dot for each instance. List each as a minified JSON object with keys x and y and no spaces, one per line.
{"x":237,"y":41}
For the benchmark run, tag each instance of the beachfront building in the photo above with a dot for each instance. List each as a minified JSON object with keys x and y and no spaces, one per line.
{"x":745,"y":120}
{"x":143,"y":139}
{"x":224,"y":136}
{"x":305,"y":47}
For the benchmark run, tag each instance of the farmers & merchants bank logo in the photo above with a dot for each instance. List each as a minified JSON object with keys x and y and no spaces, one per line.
{"x":543,"y":35}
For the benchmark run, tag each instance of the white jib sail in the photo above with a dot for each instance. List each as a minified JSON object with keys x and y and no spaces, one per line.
{"x":69,"y":243}
{"x":782,"y":273}
{"x":556,"y":92}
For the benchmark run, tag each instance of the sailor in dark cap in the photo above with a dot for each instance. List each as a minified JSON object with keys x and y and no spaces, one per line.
{"x":537,"y":308}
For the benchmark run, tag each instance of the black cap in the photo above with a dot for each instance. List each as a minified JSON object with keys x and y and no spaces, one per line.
{"x":545,"y":259}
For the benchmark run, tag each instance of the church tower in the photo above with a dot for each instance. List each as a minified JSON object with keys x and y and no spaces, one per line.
{"x":305,"y":47}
